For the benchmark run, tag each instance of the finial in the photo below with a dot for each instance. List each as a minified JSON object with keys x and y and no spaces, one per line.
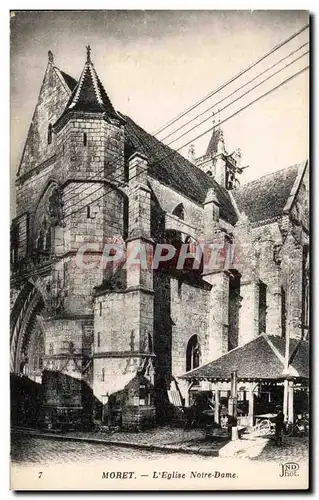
{"x":191,"y":153}
{"x":88,"y":54}
{"x":50,"y":57}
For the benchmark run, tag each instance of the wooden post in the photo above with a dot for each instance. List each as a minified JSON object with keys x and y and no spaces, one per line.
{"x":251,"y":405}
{"x":232,"y":404}
{"x":287,"y":342}
{"x":285,"y":401}
{"x":216,"y":414}
{"x":290,"y":401}
{"x":233,"y":395}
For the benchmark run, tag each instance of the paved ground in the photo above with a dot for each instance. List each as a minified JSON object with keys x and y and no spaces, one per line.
{"x":159,"y":440}
{"x":295,"y":449}
{"x":33,"y":450}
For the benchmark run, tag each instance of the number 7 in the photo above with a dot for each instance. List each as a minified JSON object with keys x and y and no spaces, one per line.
{"x":40,"y":474}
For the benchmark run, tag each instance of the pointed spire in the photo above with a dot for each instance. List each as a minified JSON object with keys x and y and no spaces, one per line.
{"x":221,"y":143}
{"x":216,"y":144}
{"x":89,"y":94}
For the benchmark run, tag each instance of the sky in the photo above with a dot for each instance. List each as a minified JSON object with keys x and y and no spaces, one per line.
{"x":156,"y":64}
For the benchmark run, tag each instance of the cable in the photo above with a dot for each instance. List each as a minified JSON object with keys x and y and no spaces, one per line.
{"x":228,"y":82}
{"x":235,"y":77}
{"x":242,"y":95}
{"x":207,"y":131}
{"x":234,"y":92}
{"x":225,"y":98}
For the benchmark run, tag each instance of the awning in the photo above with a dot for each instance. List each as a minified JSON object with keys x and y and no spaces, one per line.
{"x":260,"y":359}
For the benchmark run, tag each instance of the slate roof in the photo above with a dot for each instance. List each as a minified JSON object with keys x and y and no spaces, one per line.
{"x":69,"y":80}
{"x":257,"y":360}
{"x":266,"y":197}
{"x":261,"y":199}
{"x":89,"y":93}
{"x":173,"y":170}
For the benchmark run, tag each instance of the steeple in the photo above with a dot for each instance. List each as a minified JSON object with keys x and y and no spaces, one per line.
{"x":89,"y":94}
{"x":216,"y":144}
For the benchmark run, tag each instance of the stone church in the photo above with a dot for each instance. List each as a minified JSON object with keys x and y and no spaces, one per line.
{"x":82,"y":335}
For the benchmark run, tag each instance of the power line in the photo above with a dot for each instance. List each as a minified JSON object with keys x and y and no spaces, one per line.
{"x":205,"y":132}
{"x":234,"y":92}
{"x":203,"y":121}
{"x":238,"y":75}
{"x":242,"y":95}
{"x":277,"y":47}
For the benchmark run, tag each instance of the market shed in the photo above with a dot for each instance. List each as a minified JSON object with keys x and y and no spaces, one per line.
{"x":263,"y":360}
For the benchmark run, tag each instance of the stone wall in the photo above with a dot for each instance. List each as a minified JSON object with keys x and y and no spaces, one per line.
{"x":52,"y":100}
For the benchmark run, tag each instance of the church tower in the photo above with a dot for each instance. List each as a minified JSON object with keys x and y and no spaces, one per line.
{"x":89,"y":140}
{"x":218,"y":163}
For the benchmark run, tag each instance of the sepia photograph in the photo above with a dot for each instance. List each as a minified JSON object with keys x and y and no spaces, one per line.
{"x":159,"y":250}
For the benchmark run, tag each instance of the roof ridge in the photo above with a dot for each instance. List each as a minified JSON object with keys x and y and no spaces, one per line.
{"x":268,"y":175}
{"x":95,"y":79}
{"x":213,"y":182}
{"x":223,"y":355}
{"x":77,"y":90}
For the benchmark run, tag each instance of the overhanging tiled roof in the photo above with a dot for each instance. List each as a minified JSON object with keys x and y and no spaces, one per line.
{"x":173,"y":170}
{"x":260,"y":359}
{"x":266,"y":197}
{"x":89,"y":93}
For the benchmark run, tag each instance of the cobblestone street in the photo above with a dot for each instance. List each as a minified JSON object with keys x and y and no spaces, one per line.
{"x":32,"y":450}
{"x":295,"y":449}
{"x":152,"y":444}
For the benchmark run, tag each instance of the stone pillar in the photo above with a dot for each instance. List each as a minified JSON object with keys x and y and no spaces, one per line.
{"x":217,"y":334}
{"x":211,"y":215}
{"x":248,"y":314}
{"x":274,"y":304}
{"x":139,"y":246}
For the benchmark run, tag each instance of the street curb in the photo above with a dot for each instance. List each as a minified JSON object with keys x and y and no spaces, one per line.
{"x":149,"y":447}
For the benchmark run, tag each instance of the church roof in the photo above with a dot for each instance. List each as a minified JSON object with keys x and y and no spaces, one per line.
{"x":69,"y":80}
{"x":89,"y":93}
{"x":246,"y":361}
{"x":266,"y":197}
{"x":173,"y":170}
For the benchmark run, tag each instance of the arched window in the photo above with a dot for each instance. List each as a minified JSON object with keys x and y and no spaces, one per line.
{"x":192,"y":353}
{"x":179,"y":211}
{"x":85,"y":139}
{"x":50,"y":133}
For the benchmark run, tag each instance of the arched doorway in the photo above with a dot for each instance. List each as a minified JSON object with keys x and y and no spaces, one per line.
{"x":27,"y":335}
{"x":192,"y":353}
{"x":27,"y":355}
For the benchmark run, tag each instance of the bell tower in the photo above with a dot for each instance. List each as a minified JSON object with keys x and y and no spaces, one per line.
{"x":218,"y":163}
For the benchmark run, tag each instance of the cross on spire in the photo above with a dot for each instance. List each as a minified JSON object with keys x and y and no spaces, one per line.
{"x":88,"y":54}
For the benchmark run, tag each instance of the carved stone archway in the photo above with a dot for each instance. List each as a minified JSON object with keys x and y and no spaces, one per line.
{"x":27,"y":344}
